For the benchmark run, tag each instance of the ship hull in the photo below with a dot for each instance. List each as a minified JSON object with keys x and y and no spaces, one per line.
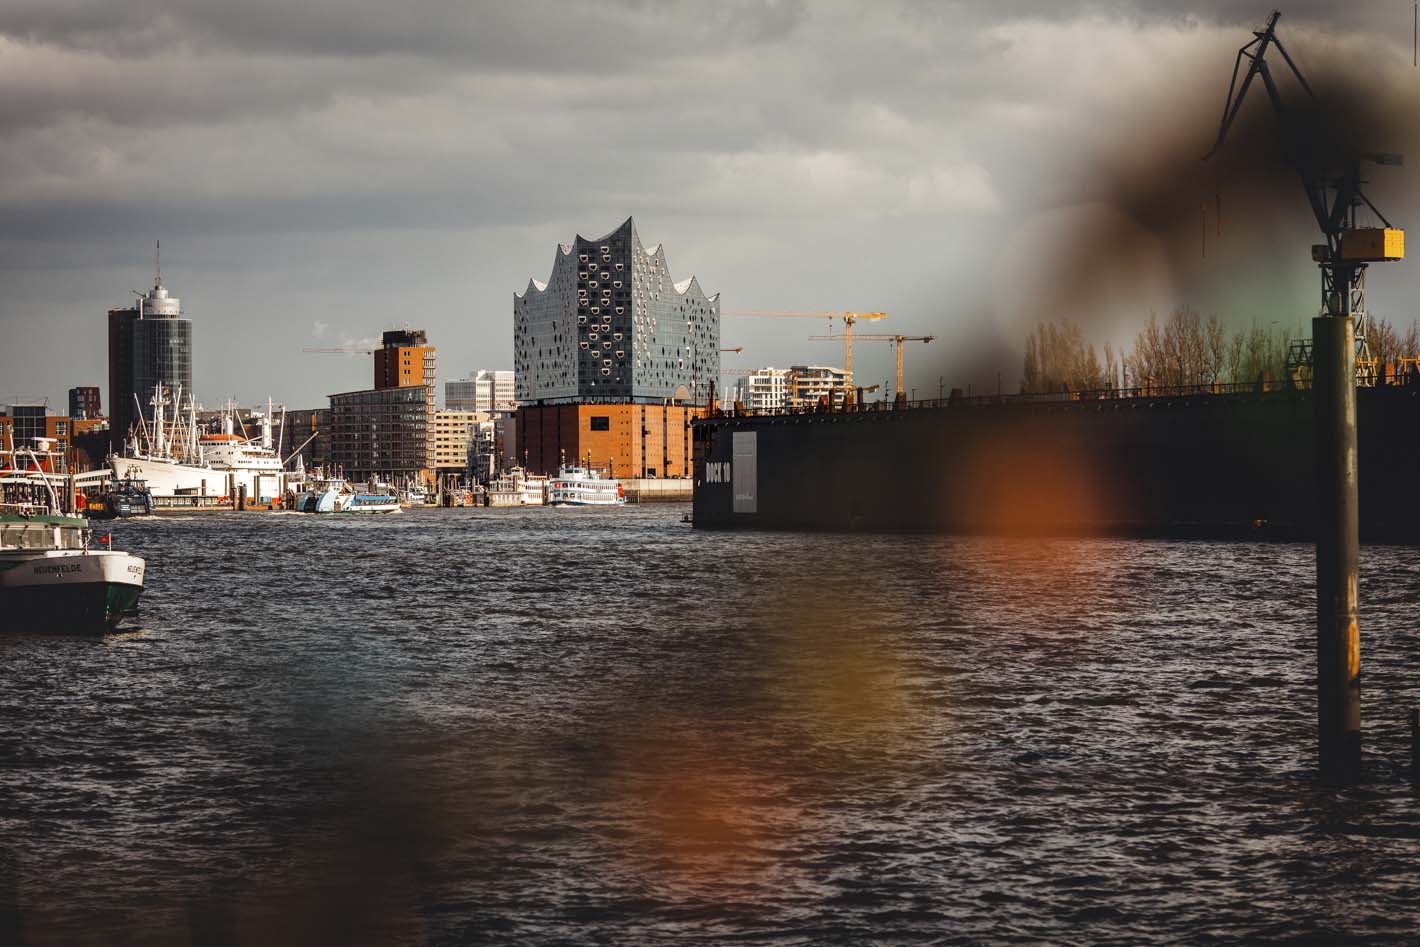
{"x":1207,"y":465}
{"x":169,"y":479}
{"x":68,"y":591}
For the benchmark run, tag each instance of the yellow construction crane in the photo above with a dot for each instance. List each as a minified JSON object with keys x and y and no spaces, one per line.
{"x":737,"y":349}
{"x":849,"y":319}
{"x":896,"y":340}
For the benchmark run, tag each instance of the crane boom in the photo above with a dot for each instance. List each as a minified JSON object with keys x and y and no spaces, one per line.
{"x":896,"y":340}
{"x":849,"y":319}
{"x":1334,"y":201}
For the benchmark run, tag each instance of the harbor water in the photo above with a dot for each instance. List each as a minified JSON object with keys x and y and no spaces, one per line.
{"x":538,"y":726}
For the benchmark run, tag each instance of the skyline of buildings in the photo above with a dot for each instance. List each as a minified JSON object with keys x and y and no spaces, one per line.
{"x":623,"y":333}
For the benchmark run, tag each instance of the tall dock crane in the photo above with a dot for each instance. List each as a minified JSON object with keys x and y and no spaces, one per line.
{"x":1334,"y":195}
{"x":896,"y":341}
{"x":849,"y":320}
{"x":1338,"y":347}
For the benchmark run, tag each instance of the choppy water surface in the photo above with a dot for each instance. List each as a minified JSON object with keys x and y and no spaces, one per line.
{"x":546,"y":726}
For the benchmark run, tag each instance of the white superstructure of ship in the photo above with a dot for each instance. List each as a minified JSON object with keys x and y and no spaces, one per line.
{"x":176,"y":459}
{"x":165,"y":454}
{"x":581,"y":486}
{"x":517,"y":488}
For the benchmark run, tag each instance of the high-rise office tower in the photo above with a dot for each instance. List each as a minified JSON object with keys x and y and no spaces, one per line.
{"x":149,"y":344}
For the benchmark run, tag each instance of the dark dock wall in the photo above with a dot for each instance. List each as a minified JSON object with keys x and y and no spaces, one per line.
{"x":1231,"y":464}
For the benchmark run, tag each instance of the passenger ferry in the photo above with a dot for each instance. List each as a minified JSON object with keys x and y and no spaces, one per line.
{"x":50,"y":578}
{"x":579,"y":486}
{"x":335,"y":495}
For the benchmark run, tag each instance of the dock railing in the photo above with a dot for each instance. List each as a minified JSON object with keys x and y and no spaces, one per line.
{"x":1150,"y":392}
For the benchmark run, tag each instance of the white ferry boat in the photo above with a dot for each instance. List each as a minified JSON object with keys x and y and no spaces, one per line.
{"x":534,"y":490}
{"x":579,"y":486}
{"x":50,"y":578}
{"x":517,"y":488}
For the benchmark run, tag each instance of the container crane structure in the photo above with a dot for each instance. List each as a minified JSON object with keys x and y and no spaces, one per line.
{"x":849,"y":320}
{"x":1338,"y":361}
{"x":896,"y":341}
{"x":1333,"y":194}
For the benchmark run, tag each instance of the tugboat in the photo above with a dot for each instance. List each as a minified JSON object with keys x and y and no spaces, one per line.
{"x":580,"y":486}
{"x":50,"y":578}
{"x":128,"y":497}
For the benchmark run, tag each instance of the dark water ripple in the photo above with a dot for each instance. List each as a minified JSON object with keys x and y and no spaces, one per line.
{"x":583,"y":727}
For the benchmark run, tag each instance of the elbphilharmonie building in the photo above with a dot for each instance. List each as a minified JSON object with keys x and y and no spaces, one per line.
{"x":612,"y":326}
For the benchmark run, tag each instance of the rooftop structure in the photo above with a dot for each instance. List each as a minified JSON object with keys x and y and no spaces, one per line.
{"x":85,"y":402}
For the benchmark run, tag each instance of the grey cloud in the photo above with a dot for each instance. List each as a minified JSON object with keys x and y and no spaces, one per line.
{"x":794,"y":155}
{"x":530,"y":35}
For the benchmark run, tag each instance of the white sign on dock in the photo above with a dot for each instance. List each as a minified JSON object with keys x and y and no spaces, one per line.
{"x":745,"y":450}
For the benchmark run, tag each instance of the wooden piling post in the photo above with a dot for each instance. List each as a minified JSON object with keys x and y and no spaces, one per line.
{"x":1337,"y":550}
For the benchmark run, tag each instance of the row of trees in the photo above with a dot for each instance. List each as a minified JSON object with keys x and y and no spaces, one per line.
{"x":1182,"y":349}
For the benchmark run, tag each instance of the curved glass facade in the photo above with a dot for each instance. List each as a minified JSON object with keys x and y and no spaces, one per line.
{"x":148,"y":344}
{"x":162,"y":353}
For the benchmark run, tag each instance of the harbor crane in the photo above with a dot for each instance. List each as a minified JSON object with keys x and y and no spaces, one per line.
{"x":849,"y":320}
{"x":1338,"y":361}
{"x":1334,"y":195}
{"x":896,"y":341}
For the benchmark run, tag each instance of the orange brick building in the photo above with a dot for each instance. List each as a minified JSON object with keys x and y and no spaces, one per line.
{"x":633,"y":440}
{"x":406,"y":359}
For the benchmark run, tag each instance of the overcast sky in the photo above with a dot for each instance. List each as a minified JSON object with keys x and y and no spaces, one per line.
{"x":320,"y":171}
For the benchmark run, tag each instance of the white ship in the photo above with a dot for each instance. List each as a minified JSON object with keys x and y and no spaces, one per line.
{"x":251,"y":464}
{"x":165,"y":455}
{"x":579,"y":486}
{"x":517,"y":488}
{"x":50,"y":580}
{"x":175,"y":459}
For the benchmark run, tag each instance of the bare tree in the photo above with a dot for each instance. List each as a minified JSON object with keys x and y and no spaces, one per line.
{"x":1060,"y":358}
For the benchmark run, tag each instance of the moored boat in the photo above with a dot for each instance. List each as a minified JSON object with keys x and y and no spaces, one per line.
{"x":125,"y":498}
{"x":580,"y":486}
{"x":51,"y":580}
{"x":335,"y":495}
{"x":516,"y":488}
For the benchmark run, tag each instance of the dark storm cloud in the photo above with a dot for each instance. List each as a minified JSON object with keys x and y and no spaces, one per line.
{"x":539,"y":35}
